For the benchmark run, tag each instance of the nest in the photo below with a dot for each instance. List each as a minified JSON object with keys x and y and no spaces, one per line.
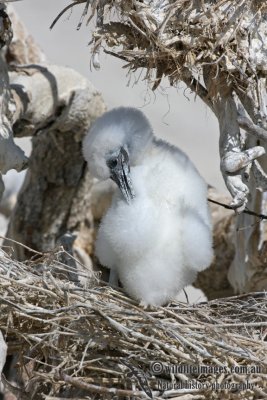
{"x":83,"y":339}
{"x":178,"y":39}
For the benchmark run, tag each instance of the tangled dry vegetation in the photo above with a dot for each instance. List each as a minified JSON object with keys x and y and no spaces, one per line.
{"x":177,"y":38}
{"x":78,"y":339}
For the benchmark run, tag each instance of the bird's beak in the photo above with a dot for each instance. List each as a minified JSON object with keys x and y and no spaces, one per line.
{"x":120,"y":174}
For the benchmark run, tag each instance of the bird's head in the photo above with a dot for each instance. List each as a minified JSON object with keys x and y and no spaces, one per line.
{"x":116,"y":142}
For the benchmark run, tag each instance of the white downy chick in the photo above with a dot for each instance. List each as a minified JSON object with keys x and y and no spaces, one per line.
{"x":157,"y":232}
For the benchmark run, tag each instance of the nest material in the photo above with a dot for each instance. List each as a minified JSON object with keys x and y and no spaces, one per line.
{"x":94,"y":342}
{"x":178,"y":38}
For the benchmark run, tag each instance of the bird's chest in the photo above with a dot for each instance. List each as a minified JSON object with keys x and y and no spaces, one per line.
{"x":135,"y":221}
{"x":137,"y":228}
{"x":156,"y":185}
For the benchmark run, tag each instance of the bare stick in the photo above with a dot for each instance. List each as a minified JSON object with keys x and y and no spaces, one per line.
{"x":246,"y":211}
{"x":251,"y":128}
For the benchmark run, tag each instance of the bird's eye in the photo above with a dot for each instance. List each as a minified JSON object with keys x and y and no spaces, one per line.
{"x":112,"y":163}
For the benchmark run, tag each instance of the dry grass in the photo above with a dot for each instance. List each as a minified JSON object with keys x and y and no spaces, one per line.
{"x":94,"y":342}
{"x":178,"y":38}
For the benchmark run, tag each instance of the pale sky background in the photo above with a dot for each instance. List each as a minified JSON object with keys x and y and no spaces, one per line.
{"x":188,"y":124}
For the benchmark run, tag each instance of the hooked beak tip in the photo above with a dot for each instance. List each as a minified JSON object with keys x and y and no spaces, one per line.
{"x":124,"y":183}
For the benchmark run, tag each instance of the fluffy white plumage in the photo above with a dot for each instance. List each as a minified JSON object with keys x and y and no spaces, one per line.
{"x":157,"y":232}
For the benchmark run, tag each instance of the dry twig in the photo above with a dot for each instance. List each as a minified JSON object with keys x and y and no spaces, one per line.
{"x":75,"y":341}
